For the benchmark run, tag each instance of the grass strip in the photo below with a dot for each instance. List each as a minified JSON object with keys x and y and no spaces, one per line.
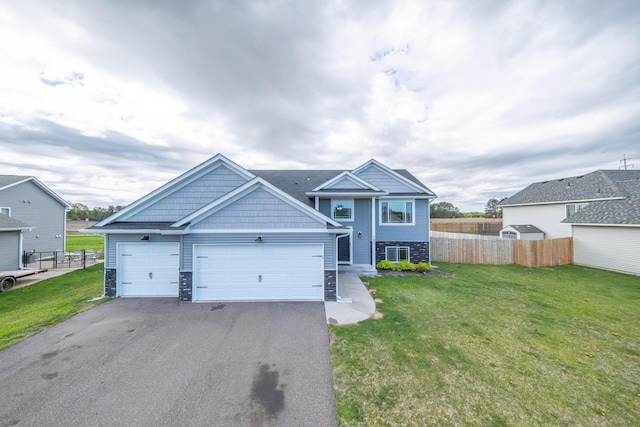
{"x":26,"y":311}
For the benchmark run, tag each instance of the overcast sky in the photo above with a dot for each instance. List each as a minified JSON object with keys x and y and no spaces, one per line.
{"x":105,"y":101}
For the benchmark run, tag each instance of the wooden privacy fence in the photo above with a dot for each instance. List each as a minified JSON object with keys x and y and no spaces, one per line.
{"x":529,"y":253}
{"x":464,"y":226}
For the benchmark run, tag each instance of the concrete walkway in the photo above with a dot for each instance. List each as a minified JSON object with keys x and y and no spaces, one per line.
{"x":355,"y":304}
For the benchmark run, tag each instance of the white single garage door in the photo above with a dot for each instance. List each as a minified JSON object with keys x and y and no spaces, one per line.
{"x":148,"y":269}
{"x":609,"y":248}
{"x":258,"y":272}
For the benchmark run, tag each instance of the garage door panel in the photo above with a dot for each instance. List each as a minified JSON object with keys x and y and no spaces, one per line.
{"x":258,"y":272}
{"x":149,"y":269}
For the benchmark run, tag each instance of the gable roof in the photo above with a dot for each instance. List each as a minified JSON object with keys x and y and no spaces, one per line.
{"x":8,"y":181}
{"x":598,"y":185}
{"x":401,"y":175}
{"x":11,"y":224}
{"x":299,"y":182}
{"x":357,"y":182}
{"x":247,"y":188}
{"x":174,"y":185}
{"x":525,"y":228}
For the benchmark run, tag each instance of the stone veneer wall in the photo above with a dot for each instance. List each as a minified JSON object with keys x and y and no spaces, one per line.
{"x":330,"y":285}
{"x":186,"y":286}
{"x":418,"y":251}
{"x":110,"y":282}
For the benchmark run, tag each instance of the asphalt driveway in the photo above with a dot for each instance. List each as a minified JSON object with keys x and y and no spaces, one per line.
{"x":158,"y":362}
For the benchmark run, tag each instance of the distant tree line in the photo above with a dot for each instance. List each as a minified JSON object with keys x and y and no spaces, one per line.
{"x":81,"y":212}
{"x":448,"y":210}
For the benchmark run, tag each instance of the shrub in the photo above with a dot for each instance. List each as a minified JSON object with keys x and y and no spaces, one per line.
{"x":423,"y":267}
{"x":385,"y":265}
{"x":405,"y":266}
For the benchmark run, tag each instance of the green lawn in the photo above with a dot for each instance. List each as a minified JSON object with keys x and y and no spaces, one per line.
{"x":77,"y":243}
{"x":26,"y":311}
{"x":494,"y":345}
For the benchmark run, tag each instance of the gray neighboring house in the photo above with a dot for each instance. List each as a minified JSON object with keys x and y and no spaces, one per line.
{"x":600,"y":210}
{"x":27,"y":199}
{"x":220,"y":232}
{"x":11,"y":232}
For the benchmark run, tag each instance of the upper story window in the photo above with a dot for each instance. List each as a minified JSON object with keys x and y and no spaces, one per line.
{"x":342,"y":209}
{"x":573,"y":208}
{"x":397,"y":212}
{"x":5,"y":211}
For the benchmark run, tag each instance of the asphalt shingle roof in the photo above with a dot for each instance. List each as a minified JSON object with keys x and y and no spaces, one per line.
{"x":623,"y":185}
{"x":8,"y":223}
{"x":11,"y":179}
{"x":297,"y":183}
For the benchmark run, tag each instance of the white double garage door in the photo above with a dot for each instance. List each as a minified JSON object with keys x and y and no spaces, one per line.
{"x":256,"y":272}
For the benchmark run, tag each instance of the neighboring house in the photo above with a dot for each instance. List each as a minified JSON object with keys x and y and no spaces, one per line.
{"x":27,"y":199}
{"x":11,"y":232}
{"x":223,"y":233}
{"x":600,"y":210}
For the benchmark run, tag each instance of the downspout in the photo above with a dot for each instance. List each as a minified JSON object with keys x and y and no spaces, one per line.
{"x":20,"y":264}
{"x":373,"y":232}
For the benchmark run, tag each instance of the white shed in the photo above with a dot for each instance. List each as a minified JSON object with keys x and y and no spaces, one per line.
{"x":522,"y":232}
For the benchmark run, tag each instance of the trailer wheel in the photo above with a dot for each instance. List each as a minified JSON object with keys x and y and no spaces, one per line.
{"x":7,"y":283}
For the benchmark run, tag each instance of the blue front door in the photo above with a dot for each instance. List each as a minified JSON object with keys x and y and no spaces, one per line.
{"x":344,"y":249}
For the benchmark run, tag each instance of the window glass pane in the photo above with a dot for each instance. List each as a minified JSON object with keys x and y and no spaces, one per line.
{"x":403,"y":254}
{"x":392,"y":254}
{"x":342,"y":209}
{"x":408,"y":217}
{"x":396,"y":212}
{"x":4,"y":211}
{"x":385,"y":212}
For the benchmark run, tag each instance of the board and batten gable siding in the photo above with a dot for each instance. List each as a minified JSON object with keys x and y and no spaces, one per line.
{"x":607,"y":248}
{"x":186,"y":249}
{"x":546,"y":217}
{"x":346,"y":183}
{"x":258,"y":210}
{"x":10,"y":253}
{"x":383,"y":181}
{"x":31,"y":205}
{"x":192,"y":196}
{"x":406,"y":233}
{"x":112,"y":240}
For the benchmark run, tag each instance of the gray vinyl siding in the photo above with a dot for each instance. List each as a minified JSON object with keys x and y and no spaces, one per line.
{"x":112,"y":240}
{"x":362,"y":223}
{"x":188,"y":241}
{"x":346,"y":184}
{"x":35,"y":207}
{"x":406,"y":233}
{"x":10,"y":253}
{"x":192,"y":196}
{"x":383,"y":181}
{"x":258,"y":210}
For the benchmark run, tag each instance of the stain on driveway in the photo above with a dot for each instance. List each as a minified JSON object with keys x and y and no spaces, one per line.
{"x":159,"y":362}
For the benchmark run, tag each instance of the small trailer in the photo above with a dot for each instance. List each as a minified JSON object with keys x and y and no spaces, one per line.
{"x":8,"y":278}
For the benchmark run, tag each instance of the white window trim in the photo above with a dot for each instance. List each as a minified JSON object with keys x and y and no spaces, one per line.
{"x":397,"y":224}
{"x":353,"y":209}
{"x":7,"y":208}
{"x":579,"y":206}
{"x":397,"y":248}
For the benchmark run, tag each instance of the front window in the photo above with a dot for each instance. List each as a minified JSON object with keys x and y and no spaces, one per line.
{"x":573,"y":208}
{"x":5,"y":211}
{"x":396,"y":212}
{"x":397,"y":253}
{"x":342,"y":209}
